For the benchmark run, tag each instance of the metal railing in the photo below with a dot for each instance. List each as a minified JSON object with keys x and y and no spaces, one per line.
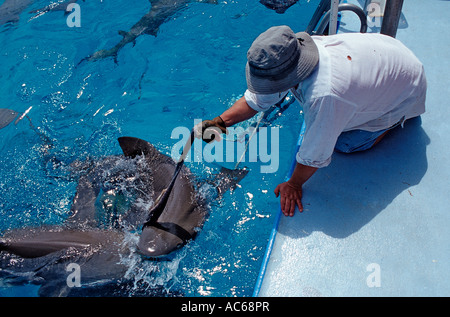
{"x":325,"y":11}
{"x":344,"y":7}
{"x":323,"y":14}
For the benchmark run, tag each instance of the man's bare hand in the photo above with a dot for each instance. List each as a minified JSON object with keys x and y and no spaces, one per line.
{"x":291,"y":196}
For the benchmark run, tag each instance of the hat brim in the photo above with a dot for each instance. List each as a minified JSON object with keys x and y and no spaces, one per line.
{"x":308,"y":60}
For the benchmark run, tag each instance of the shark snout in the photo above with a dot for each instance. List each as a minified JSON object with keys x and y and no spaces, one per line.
{"x":156,"y":242}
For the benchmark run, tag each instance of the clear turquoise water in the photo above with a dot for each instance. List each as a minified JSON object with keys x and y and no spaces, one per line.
{"x":193,"y":69}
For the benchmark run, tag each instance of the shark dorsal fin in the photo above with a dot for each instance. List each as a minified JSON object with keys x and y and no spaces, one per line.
{"x":132,"y":147}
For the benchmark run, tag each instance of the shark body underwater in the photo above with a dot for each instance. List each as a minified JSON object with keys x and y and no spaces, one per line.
{"x":10,"y":10}
{"x":160,"y":12}
{"x":149,"y":24}
{"x":96,"y":238}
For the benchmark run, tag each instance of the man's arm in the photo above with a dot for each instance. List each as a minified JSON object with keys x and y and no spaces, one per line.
{"x":209,"y":130}
{"x":291,"y":191}
{"x":239,"y":111}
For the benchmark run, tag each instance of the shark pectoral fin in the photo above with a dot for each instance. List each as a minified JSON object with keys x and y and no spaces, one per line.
{"x":123,"y":33}
{"x":29,"y":248}
{"x":227,"y":179}
{"x":152,"y":31}
{"x":6,"y":117}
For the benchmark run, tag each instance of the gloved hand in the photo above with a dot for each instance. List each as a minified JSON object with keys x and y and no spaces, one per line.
{"x":209,"y":130}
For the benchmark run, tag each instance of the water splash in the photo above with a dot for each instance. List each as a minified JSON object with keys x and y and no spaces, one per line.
{"x":150,"y":275}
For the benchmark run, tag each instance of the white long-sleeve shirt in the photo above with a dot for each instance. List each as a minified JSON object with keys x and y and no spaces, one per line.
{"x":362,"y":81}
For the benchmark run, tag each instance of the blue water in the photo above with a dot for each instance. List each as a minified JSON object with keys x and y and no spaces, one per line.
{"x":193,"y":69}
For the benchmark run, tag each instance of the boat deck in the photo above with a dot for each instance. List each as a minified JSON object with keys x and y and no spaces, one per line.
{"x":376,"y":223}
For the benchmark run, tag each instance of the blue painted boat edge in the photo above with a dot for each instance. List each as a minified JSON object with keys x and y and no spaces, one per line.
{"x":274,"y":230}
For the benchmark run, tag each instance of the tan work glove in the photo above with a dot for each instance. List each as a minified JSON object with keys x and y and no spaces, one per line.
{"x":210,"y":130}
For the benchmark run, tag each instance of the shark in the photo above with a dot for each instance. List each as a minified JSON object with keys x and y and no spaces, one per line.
{"x":7,"y":116}
{"x":160,"y":12}
{"x":108,"y":222}
{"x":10,"y":10}
{"x":280,"y":6}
